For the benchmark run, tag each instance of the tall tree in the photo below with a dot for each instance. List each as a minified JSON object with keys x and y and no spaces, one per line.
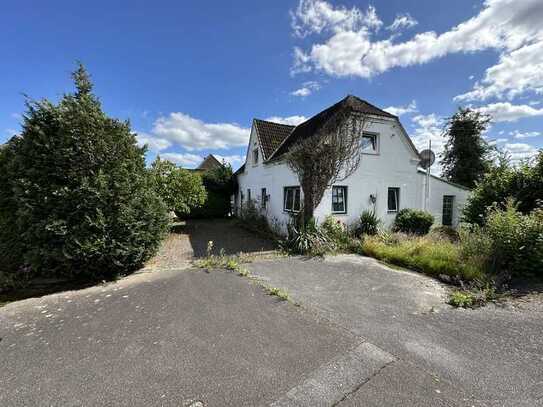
{"x":465,"y":159}
{"x":329,"y":156}
{"x":75,"y":191}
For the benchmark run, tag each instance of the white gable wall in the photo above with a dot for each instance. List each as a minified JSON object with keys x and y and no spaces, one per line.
{"x":394,"y":165}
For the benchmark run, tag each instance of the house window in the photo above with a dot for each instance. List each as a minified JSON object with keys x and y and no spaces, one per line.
{"x":291,"y":199}
{"x":255,"y":156}
{"x":368,"y":143}
{"x":339,"y":199}
{"x":264,"y":198}
{"x":448,"y":206}
{"x":393,"y":199}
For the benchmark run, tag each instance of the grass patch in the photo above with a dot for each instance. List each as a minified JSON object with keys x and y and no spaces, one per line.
{"x":427,"y":254}
{"x":461,"y":299}
{"x":278,"y":292}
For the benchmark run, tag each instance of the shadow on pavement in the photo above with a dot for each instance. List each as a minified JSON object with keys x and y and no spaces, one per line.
{"x":225,"y":234}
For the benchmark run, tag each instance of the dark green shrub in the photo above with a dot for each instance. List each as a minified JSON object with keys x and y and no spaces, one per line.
{"x":413,"y":221}
{"x":76,"y":193}
{"x":517,"y":241}
{"x":368,"y":224}
{"x":523,"y":183}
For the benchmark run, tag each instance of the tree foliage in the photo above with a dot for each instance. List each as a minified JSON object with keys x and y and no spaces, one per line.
{"x":465,"y":159}
{"x":180,"y":189}
{"x":75,"y":197}
{"x":523,"y":183}
{"x":219,"y":187}
{"x":329,"y":156}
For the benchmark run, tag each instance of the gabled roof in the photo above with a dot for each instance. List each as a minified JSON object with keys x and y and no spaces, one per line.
{"x":310,"y":127}
{"x":271,"y":135}
{"x":209,"y":163}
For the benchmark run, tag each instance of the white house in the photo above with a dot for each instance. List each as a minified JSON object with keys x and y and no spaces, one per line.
{"x":388,"y":178}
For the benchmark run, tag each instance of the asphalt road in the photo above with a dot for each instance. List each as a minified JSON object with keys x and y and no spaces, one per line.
{"x":169,"y":338}
{"x":492,"y":356}
{"x":364,"y":335}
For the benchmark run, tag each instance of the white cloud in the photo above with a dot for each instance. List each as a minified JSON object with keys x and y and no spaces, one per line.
{"x":507,"y":112}
{"x":502,"y":25}
{"x":496,"y":141}
{"x":520,"y":151}
{"x":318,"y":16}
{"x":429,"y":128}
{"x":194,"y":134}
{"x":401,"y":110}
{"x":234,"y":160}
{"x":183,"y":159}
{"x":402,"y":21}
{"x":307,"y":89}
{"x":517,"y":72}
{"x":154,"y":143}
{"x":530,"y":134}
{"x":290,"y":120}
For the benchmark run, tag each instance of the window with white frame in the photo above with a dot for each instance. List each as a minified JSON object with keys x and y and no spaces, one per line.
{"x":393,"y":199}
{"x":339,"y":199}
{"x":368,"y":143}
{"x":291,"y":199}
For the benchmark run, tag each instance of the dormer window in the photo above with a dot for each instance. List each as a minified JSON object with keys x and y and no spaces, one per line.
{"x":368,"y":143}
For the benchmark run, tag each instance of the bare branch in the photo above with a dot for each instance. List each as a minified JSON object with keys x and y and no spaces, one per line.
{"x":329,"y":156}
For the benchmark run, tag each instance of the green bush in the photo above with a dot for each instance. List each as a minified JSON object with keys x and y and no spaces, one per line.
{"x":336,"y":232}
{"x":368,"y":224}
{"x":76,"y":198}
{"x":181,"y":190}
{"x":517,"y":241}
{"x":523,"y":183}
{"x":461,"y":299}
{"x":422,"y":253}
{"x":413,"y":221}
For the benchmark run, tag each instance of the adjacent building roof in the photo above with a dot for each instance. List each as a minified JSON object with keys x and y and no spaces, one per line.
{"x":309,"y":127}
{"x":271,"y":135}
{"x":209,"y":163}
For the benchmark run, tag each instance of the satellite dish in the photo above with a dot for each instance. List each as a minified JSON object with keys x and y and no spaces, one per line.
{"x":427,"y":158}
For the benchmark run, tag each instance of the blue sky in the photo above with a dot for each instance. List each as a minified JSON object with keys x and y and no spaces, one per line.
{"x":191,"y":76}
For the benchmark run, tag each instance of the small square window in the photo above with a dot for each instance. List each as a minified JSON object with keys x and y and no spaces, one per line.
{"x":393,"y":199}
{"x":339,"y":199}
{"x":368,"y":143}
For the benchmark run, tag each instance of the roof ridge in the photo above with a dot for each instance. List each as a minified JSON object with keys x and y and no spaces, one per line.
{"x":279,"y":124}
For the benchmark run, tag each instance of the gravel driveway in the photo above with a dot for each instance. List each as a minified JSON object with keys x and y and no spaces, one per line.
{"x":190,"y":238}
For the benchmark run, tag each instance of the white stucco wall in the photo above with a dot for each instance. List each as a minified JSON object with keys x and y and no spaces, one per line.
{"x":394,"y":165}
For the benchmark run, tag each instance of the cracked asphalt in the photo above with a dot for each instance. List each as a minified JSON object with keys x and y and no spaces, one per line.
{"x":172,"y":335}
{"x":491,"y":356}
